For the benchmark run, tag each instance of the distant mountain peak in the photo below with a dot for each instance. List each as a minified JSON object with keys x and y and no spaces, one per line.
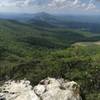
{"x":43,"y":14}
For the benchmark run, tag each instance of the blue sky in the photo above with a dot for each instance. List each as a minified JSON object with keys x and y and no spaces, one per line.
{"x":51,"y":6}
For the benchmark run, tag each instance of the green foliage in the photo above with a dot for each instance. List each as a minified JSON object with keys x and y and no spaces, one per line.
{"x":34,"y":53}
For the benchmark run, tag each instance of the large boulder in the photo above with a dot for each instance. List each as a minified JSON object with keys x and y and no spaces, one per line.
{"x":18,"y":90}
{"x":58,"y":89}
{"x":47,"y":89}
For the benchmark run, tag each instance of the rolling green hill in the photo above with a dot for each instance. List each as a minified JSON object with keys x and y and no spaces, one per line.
{"x":34,"y":52}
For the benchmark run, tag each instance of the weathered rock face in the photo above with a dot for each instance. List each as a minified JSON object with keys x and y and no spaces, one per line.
{"x":47,"y":89}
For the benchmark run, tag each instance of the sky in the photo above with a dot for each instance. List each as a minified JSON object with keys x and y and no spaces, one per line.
{"x":51,"y":6}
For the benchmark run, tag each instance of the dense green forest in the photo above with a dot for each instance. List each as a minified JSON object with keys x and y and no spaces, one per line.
{"x":33,"y":52}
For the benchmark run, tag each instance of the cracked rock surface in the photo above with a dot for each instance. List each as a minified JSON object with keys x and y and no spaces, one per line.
{"x":47,"y":89}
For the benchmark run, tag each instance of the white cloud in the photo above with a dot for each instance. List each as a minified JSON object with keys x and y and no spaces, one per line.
{"x":63,"y":3}
{"x":91,"y":6}
{"x":73,"y":4}
{"x":16,"y":3}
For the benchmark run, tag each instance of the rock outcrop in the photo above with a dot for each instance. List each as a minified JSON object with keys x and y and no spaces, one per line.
{"x":47,"y":89}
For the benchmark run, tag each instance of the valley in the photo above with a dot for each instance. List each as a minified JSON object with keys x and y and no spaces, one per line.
{"x":48,"y":46}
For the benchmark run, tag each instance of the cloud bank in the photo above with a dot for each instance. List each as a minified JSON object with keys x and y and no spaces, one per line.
{"x":49,"y":5}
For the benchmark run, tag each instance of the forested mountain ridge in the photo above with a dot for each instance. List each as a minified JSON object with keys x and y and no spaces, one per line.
{"x":42,"y":19}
